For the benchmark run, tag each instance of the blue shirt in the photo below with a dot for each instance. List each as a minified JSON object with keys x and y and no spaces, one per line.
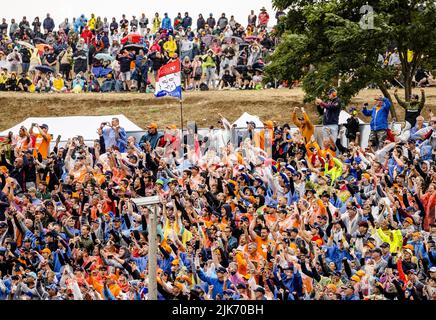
{"x":110,"y":139}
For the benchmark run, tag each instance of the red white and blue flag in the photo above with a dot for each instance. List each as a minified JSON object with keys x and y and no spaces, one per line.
{"x":168,"y":82}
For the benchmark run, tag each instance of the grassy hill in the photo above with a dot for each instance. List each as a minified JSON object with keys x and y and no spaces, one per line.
{"x":201,"y":107}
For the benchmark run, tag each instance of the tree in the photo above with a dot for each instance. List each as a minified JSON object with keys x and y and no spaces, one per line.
{"x":339,"y":43}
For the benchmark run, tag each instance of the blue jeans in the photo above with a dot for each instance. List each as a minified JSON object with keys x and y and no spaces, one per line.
{"x":25,"y":67}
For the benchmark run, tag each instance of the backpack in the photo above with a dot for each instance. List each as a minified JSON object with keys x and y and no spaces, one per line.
{"x":204,"y":87}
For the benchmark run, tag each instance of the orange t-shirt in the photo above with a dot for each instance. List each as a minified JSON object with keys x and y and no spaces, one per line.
{"x":42,"y":145}
{"x":262,"y":246}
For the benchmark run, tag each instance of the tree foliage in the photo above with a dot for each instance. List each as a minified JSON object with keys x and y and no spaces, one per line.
{"x":323,"y":44}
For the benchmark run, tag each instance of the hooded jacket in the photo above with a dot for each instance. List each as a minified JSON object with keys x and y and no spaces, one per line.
{"x":379,"y":118}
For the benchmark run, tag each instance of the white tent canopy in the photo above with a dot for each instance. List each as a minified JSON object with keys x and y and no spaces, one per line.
{"x":69,"y":127}
{"x":246,"y":117}
{"x":344,"y":115}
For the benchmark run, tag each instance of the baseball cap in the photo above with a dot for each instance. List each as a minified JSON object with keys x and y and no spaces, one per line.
{"x":32,"y":274}
{"x":260,"y":289}
{"x":355,"y":278}
{"x":331,"y":90}
{"x":44,"y":126}
{"x":221,"y":270}
{"x":152,"y":126}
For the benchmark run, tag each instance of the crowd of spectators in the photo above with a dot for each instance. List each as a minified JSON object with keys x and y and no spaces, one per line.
{"x":95,"y":54}
{"x":263,"y":213}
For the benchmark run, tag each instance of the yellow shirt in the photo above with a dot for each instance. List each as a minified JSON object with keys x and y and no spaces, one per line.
{"x":91,"y":23}
{"x":58,"y":84}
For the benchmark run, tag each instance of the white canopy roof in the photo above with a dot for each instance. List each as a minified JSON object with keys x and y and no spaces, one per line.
{"x":69,"y":127}
{"x":246,"y":117}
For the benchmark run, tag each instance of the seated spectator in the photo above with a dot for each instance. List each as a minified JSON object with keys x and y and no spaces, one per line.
{"x":227,"y":81}
{"x":93,"y":84}
{"x":59,"y":84}
{"x":78,"y":84}
{"x":12,"y":82}
{"x":108,"y":84}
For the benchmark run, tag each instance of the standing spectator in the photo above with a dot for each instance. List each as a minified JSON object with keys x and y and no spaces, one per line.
{"x":124,"y":23}
{"x":25,"y":59}
{"x":80,"y":24}
{"x":91,"y":22}
{"x":143,"y":23}
{"x":331,"y":110}
{"x":105,"y":26}
{"x":13,"y":29}
{"x":232,"y":23}
{"x":50,"y":59}
{"x":141,"y":71}
{"x":113,"y":26}
{"x":65,"y":62}
{"x":170,"y":47}
{"x":156,"y":23}
{"x":209,"y":68}
{"x":200,"y":22}
{"x":36,"y":25}
{"x":263,"y":18}
{"x":178,"y":21}
{"x":379,"y":121}
{"x":42,"y":140}
{"x":48,"y":24}
{"x":197,"y":72}
{"x":4,"y":27}
{"x":125,"y":58}
{"x":14,"y":60}
{"x":186,"y":72}
{"x":166,"y":22}
{"x":157,"y":60}
{"x":352,"y":127}
{"x":113,"y":135}
{"x":252,"y":18}
{"x":65,"y":25}
{"x":211,"y":21}
{"x":134,"y":23}
{"x":186,"y":47}
{"x":80,"y":58}
{"x":187,"y":21}
{"x":304,"y":124}
{"x":152,"y":137}
{"x":413,"y":107}
{"x":222,"y":22}
{"x":24,"y":25}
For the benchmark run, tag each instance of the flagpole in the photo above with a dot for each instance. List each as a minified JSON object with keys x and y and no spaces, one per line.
{"x":181,"y":109}
{"x":181,"y":122}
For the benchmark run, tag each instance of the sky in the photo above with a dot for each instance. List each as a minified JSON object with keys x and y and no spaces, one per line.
{"x":61,"y":9}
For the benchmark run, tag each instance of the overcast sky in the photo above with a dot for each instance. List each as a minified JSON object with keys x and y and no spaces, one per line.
{"x":60,"y":9}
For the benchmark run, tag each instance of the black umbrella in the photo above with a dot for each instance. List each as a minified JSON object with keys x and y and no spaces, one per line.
{"x":39,"y":40}
{"x":44,"y":69}
{"x":135,"y":47}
